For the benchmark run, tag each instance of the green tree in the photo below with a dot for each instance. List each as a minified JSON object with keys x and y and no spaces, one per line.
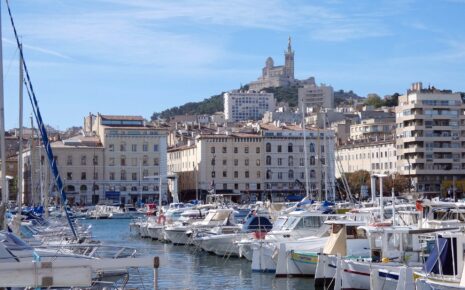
{"x":374,"y":100}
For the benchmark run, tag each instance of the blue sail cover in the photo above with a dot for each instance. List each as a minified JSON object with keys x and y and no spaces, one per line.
{"x":445,"y":257}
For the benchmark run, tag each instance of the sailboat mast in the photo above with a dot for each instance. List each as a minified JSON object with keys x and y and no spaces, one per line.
{"x":32,"y":162}
{"x":2,"y":129}
{"x":19,"y":185}
{"x":307,"y":193}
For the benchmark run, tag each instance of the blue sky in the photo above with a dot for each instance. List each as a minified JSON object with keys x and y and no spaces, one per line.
{"x":140,"y":56}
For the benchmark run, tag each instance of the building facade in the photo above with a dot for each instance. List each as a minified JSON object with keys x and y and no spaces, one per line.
{"x":376,"y":157}
{"x":244,"y":106}
{"x":315,"y":97}
{"x":430,"y":137}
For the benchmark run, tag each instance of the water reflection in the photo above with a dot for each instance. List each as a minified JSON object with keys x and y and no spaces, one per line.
{"x":182,"y":267}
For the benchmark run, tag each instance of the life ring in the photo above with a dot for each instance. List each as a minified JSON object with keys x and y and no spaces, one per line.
{"x":161,"y":219}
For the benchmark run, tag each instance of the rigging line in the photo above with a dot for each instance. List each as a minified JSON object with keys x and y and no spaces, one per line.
{"x":48,"y":148}
{"x":10,"y":63}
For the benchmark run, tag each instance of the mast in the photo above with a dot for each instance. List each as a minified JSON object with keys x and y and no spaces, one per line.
{"x":2,"y":134}
{"x":20,"y":153}
{"x":31,"y":148}
{"x":305,"y":149}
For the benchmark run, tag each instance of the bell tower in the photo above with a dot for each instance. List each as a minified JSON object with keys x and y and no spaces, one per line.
{"x":289,"y":61}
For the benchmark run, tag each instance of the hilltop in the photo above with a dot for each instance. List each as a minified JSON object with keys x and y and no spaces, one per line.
{"x":215,"y":103}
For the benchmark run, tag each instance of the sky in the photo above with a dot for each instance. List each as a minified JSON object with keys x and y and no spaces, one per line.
{"x":136,"y":57}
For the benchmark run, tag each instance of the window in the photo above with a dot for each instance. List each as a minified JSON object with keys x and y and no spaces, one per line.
{"x":246,"y":149}
{"x":312,"y":160}
{"x":134,"y":176}
{"x":212,"y":149}
{"x":280,"y":175}
{"x":83,"y":189}
{"x":246,"y":174}
{"x":236,"y":174}
{"x":213,"y":162}
{"x":280,"y":161}
{"x":122,"y":147}
{"x":258,"y":174}
{"x":145,"y":147}
{"x":235,"y":150}
{"x":225,"y":162}
{"x":290,"y":161}
{"x":69,"y":176}
{"x":83,"y":160}
{"x":257,"y":150}
{"x":301,"y":162}
{"x":134,"y":147}
{"x":291,"y":174}
{"x":123,"y":161}
{"x":268,"y":147}
{"x":236,"y":186}
{"x":123,"y":174}
{"x":268,"y":174}
{"x":112,"y":176}
{"x":236,"y":162}
{"x":225,"y":150}
{"x":246,"y":162}
{"x":145,"y":160}
{"x":123,"y":188}
{"x":155,"y":147}
{"x":225,"y":186}
{"x":290,"y":148}
{"x":95,"y":160}
{"x":259,"y":186}
{"x":111,"y":147}
{"x":257,"y":162}
{"x":83,"y":176}
{"x":111,"y":161}
{"x":268,"y":160}
{"x":225,"y":174}
{"x":69,"y":160}
{"x":279,"y":148}
{"x":145,"y":173}
{"x":156,"y":161}
{"x":301,"y":148}
{"x":145,"y":188}
{"x":312,"y":147}
{"x":213,"y":174}
{"x":134,"y":188}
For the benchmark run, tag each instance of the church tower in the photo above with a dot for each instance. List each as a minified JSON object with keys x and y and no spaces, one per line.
{"x":289,"y":61}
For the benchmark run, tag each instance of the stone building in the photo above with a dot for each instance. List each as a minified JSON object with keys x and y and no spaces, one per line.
{"x":244,"y":106}
{"x":276,"y":76}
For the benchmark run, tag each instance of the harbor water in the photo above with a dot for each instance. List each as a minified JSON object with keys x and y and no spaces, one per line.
{"x":184,"y":267}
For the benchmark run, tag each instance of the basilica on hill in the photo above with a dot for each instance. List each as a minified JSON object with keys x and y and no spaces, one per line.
{"x":276,"y":76}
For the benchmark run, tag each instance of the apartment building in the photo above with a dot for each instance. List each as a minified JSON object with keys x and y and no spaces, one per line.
{"x":247,"y":105}
{"x":430,"y":137}
{"x":80,"y":164}
{"x":375,"y":156}
{"x":134,"y":156}
{"x":315,"y":96}
{"x":284,"y":157}
{"x":373,"y":129}
{"x":228,"y":163}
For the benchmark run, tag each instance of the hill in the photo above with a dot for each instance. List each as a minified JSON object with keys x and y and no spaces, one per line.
{"x":215,"y":103}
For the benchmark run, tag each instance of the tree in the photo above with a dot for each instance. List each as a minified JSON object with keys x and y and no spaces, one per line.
{"x":392,"y":100}
{"x":357,"y":179}
{"x":374,"y":100}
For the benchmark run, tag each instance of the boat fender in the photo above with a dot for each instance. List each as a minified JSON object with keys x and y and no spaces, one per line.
{"x":161,"y":219}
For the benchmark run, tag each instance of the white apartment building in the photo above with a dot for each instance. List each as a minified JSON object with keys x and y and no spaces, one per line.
{"x":314,"y":96}
{"x":284,"y":157}
{"x":430,"y":137}
{"x":243,"y":106}
{"x":80,"y":164}
{"x":374,"y":156}
{"x":116,"y":159}
{"x":373,"y":129}
{"x":134,"y":156}
{"x":228,"y":163}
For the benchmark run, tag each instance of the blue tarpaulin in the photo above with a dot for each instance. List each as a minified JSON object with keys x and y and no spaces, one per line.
{"x":112,"y":194}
